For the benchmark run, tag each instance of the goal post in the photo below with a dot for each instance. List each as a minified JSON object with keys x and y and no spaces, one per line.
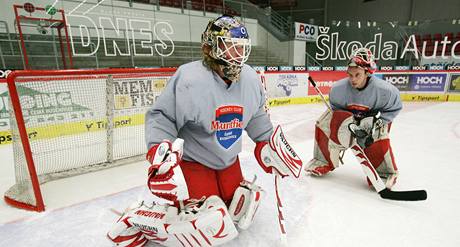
{"x":69,"y":122}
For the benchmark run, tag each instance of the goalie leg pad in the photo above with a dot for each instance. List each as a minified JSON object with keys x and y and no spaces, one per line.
{"x":340,"y":133}
{"x":335,"y":126}
{"x":200,"y":223}
{"x":245,"y":203}
{"x":207,"y":223}
{"x":381,"y":156}
{"x":141,"y":223}
{"x":325,"y":154}
{"x":125,"y":235}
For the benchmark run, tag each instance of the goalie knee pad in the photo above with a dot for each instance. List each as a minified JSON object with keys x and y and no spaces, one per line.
{"x":334,"y":125}
{"x":245,"y":203}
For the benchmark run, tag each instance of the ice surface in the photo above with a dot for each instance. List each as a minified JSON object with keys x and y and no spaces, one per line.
{"x":336,"y":210}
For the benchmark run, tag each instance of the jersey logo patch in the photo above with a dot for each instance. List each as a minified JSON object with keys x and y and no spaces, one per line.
{"x":359,"y":111}
{"x":228,"y":125}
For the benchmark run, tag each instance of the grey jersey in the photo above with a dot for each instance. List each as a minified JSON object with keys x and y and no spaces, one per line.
{"x":199,"y":107}
{"x":379,"y":95}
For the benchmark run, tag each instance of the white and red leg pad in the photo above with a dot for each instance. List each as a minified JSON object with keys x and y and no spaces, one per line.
{"x":245,"y":203}
{"x":208,"y":224}
{"x":278,"y":156}
{"x":331,"y":137}
{"x":125,"y":235}
{"x":381,"y":156}
{"x":141,"y":223}
{"x":338,"y":126}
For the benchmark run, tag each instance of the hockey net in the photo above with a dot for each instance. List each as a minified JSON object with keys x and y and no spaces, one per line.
{"x":69,"y":122}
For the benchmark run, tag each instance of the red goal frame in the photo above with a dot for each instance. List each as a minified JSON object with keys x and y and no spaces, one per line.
{"x":14,"y":97}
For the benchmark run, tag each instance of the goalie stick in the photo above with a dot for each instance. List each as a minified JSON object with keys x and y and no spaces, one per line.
{"x":371,"y":173}
{"x":279,"y":204}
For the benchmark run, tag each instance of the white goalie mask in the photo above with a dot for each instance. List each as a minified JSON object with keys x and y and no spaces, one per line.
{"x":230,"y":44}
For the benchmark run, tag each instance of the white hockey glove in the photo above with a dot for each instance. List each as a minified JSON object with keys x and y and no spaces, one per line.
{"x":277,"y":155}
{"x":367,"y":128}
{"x":245,"y":203}
{"x":165,"y":178}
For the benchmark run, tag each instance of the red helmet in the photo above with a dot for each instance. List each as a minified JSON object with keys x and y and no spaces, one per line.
{"x":363,"y":58}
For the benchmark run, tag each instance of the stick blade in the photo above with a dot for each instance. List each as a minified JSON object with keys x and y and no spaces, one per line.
{"x":412,"y":195}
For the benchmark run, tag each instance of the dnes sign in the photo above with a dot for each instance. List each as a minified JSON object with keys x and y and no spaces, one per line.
{"x":118,"y":36}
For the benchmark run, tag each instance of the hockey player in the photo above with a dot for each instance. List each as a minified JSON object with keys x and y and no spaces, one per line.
{"x":363,"y":106}
{"x":193,"y":133}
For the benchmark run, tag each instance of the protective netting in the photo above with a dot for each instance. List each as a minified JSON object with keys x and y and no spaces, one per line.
{"x":80,"y":123}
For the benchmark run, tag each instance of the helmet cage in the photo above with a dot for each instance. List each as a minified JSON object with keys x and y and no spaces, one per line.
{"x":233,"y":51}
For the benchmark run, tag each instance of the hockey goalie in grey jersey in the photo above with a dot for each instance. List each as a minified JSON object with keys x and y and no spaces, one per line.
{"x":194,"y":135}
{"x":365,"y":106}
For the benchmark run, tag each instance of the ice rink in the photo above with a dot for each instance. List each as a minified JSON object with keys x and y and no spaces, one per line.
{"x":338,"y":210}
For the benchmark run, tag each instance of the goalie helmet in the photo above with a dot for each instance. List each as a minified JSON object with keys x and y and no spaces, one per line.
{"x":229,"y":44}
{"x":363,"y":58}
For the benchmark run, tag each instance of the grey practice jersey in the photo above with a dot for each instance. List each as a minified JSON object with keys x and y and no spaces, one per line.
{"x":379,"y":95}
{"x":199,"y":107}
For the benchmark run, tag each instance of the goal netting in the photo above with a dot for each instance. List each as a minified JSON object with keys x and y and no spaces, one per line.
{"x":66,"y":123}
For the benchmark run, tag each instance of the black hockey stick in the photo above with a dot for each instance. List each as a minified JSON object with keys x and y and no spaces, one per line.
{"x":371,"y":173}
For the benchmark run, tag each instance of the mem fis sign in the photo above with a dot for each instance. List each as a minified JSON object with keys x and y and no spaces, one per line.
{"x":137,"y":93}
{"x":330,"y":46}
{"x":306,"y":32}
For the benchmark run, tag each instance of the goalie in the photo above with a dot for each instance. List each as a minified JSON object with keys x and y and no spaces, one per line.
{"x":193,"y":133}
{"x":363,"y":107}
